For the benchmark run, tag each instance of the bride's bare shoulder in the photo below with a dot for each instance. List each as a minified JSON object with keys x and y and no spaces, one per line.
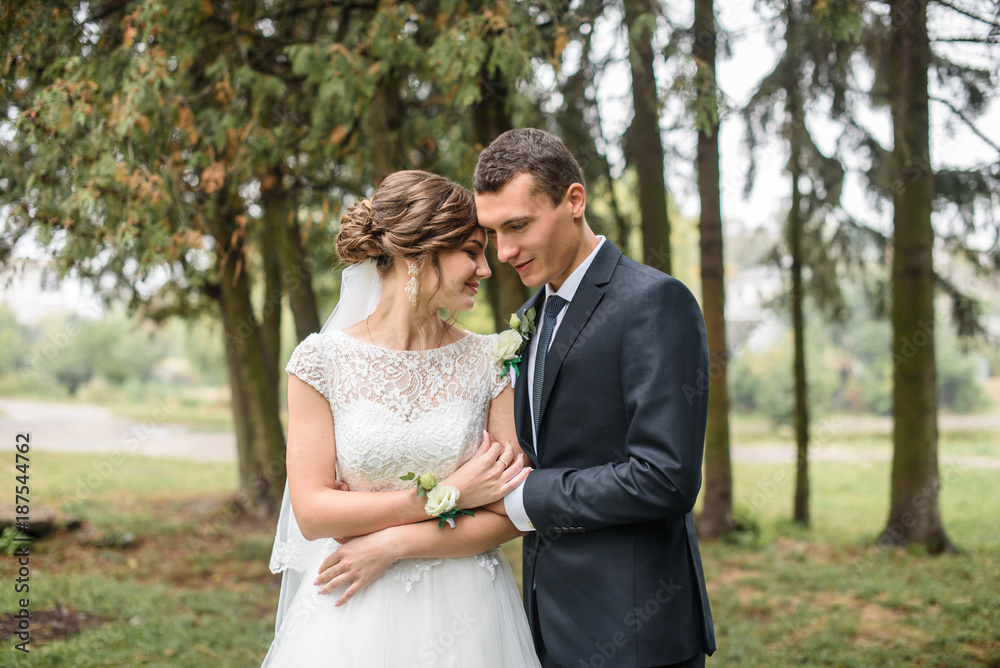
{"x":358,"y":331}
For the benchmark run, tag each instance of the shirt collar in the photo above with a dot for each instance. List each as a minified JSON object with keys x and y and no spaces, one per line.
{"x":568,"y":289}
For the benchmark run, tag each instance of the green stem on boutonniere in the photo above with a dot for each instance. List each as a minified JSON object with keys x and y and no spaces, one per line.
{"x":510,"y":364}
{"x":450,"y":516}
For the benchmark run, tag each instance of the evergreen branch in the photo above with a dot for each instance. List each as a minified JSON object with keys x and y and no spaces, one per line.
{"x":968,"y":122}
{"x":989,"y":39}
{"x":966,"y":310}
{"x":964,"y":12}
{"x":106,"y":11}
{"x":881,"y":240}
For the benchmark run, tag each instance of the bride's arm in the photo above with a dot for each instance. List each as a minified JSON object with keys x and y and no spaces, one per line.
{"x":362,"y":560}
{"x":471,"y":535}
{"x":322,"y":510}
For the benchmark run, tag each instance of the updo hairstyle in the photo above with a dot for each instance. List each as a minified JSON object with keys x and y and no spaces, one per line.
{"x":413,"y":215}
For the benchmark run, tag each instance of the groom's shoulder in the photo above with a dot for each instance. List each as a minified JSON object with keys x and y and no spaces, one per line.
{"x":640,"y":273}
{"x":642,"y":280}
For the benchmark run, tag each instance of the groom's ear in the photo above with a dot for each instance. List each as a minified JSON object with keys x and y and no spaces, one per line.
{"x":577,"y":196}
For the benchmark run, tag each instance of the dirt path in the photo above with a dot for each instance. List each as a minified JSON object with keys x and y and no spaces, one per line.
{"x":873,"y":424}
{"x":64,"y":427}
{"x":777,"y":453}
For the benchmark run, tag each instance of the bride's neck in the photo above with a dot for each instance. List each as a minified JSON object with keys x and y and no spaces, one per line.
{"x":397,"y":324}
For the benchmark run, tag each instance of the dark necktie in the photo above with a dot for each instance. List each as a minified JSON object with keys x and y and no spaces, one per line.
{"x":553,"y":306}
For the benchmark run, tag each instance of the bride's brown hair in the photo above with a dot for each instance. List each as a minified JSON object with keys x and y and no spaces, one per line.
{"x":413,"y":215}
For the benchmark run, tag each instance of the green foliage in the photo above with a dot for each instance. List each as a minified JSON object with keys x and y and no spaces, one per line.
{"x":74,"y":350}
{"x":849,"y":370}
{"x":957,"y":379}
{"x":181,"y":116}
{"x":10,"y":540}
{"x":161,"y":600}
{"x":13,"y":342}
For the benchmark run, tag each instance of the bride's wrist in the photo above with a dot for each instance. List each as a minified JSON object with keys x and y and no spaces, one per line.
{"x":412,"y":509}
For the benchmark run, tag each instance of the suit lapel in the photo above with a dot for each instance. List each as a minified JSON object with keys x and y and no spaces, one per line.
{"x":584,"y":302}
{"x":588,"y":296}
{"x":522,"y":411}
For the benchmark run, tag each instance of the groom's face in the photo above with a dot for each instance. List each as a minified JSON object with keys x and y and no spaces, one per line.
{"x":537,"y":238}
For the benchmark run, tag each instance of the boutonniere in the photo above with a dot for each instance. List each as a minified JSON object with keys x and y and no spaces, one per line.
{"x":511,"y":342}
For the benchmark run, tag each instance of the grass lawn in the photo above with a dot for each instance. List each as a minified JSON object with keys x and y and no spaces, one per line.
{"x":194,"y":590}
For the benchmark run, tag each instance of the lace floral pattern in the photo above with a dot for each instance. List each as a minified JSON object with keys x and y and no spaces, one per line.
{"x":298,"y":554}
{"x":396,"y":411}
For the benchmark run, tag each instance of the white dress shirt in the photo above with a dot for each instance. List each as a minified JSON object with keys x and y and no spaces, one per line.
{"x":514,"y":501}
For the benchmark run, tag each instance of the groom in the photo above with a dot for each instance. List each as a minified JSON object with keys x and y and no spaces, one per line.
{"x":612,"y":571}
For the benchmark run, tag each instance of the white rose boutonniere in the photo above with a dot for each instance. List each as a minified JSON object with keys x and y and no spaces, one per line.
{"x":508,"y":344}
{"x":511,"y":342}
{"x":442,"y":500}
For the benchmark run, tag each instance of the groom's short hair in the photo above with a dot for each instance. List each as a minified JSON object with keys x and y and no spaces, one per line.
{"x":528,"y":151}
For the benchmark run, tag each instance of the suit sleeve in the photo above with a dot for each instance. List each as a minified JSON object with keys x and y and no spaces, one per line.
{"x":664,"y":376}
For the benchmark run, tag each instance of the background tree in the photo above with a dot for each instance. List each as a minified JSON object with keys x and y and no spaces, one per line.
{"x":817,"y":39}
{"x":962,"y":200}
{"x":643,"y":143}
{"x":209,"y":143}
{"x":716,"y":518}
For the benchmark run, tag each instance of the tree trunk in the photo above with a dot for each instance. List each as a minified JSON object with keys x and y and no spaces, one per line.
{"x":491,"y":119}
{"x":270,"y":312}
{"x":717,"y":516}
{"x":795,"y":223}
{"x":644,"y":145}
{"x":259,"y":437}
{"x":386,"y":123}
{"x":622,"y":228}
{"x":914,"y":515}
{"x":297,"y":277}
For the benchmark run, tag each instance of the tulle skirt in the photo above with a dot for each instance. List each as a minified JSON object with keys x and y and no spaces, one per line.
{"x":458,"y":614}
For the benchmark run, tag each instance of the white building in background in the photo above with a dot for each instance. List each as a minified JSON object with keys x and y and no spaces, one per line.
{"x":32,"y":289}
{"x":754,"y":318}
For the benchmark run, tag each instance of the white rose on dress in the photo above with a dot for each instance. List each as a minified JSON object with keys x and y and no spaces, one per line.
{"x":441,"y":499}
{"x":507,"y":344}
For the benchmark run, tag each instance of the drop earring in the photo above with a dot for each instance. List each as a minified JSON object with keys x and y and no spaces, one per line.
{"x":412,"y":286}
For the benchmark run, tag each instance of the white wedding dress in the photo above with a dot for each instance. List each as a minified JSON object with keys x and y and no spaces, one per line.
{"x":395,"y":412}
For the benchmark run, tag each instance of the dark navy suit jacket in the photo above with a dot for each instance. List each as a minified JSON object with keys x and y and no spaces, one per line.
{"x":613,"y":569}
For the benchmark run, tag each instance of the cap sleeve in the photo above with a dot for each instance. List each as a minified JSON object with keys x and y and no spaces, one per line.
{"x":499,"y":379}
{"x":310,"y":362}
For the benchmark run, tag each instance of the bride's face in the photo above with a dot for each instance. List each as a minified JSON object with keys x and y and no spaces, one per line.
{"x":461,"y":272}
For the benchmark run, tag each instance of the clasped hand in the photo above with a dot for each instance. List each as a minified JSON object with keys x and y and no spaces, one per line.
{"x":483,"y":480}
{"x":492,"y":473}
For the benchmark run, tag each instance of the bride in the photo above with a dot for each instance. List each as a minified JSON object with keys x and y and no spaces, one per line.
{"x":387,"y":389}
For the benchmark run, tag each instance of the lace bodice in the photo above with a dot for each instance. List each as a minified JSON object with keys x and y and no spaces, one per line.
{"x":397,"y":411}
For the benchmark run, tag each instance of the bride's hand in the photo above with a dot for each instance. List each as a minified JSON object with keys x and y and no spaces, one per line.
{"x":358,"y":562}
{"x":489,"y":476}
